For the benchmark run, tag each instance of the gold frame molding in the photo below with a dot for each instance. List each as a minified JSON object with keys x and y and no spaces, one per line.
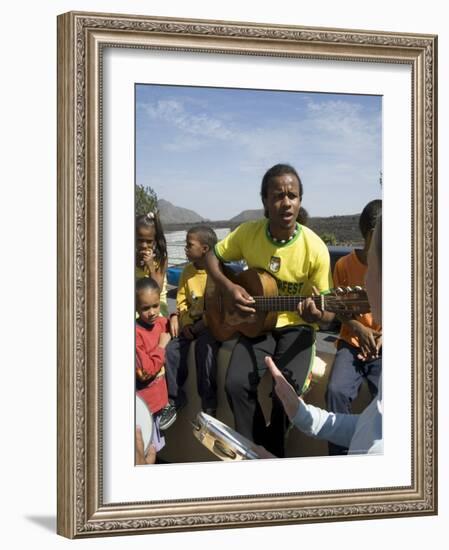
{"x":81,"y":38}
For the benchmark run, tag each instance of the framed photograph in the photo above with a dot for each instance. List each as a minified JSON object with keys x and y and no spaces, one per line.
{"x":196,"y":112}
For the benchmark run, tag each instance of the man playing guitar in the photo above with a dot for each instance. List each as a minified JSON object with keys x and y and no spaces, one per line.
{"x":299,"y":261}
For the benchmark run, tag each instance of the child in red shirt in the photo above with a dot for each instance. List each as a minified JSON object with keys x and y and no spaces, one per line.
{"x":152,"y":337}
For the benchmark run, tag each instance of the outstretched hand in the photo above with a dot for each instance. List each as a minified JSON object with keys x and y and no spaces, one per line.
{"x":284,"y":390}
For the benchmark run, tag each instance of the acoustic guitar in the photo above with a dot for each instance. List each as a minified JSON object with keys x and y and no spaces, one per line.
{"x":225,"y":323}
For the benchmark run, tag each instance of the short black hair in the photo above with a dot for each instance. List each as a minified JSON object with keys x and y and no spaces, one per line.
{"x":206,"y":235}
{"x":368,"y":217}
{"x":147,"y":283}
{"x":274,"y":172}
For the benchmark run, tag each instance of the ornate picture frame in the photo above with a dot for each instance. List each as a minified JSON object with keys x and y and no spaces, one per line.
{"x":82,"y":39}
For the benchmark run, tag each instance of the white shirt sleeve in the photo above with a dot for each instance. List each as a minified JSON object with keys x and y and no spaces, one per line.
{"x":337,"y":428}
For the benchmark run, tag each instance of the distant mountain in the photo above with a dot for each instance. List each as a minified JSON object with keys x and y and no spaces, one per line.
{"x":247,"y":215}
{"x":169,"y":213}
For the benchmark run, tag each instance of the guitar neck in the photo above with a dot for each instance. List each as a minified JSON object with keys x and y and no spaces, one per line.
{"x":285,"y":303}
{"x":337,"y":304}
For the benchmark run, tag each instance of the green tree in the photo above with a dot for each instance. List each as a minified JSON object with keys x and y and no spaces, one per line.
{"x":146,"y":199}
{"x":329,"y":239}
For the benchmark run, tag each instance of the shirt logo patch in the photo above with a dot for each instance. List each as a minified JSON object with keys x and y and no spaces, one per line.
{"x":275,"y":264}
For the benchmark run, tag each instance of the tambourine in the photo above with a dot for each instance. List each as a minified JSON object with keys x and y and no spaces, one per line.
{"x":222,"y":440}
{"x":144,"y":419}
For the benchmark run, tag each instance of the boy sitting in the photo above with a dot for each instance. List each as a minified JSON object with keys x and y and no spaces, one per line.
{"x":359,"y":343}
{"x":190,"y":304}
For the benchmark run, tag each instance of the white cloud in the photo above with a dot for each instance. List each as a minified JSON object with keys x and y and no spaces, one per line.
{"x":335,"y":144}
{"x":201,"y":125}
{"x":182,"y":144}
{"x":331,"y":127}
{"x":342,"y":124}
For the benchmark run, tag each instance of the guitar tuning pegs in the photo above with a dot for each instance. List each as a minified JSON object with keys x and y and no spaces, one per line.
{"x":339,"y":290}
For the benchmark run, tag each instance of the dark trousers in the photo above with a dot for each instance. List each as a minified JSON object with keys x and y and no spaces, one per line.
{"x":176,"y":370}
{"x":348,"y":374}
{"x":293,"y":351}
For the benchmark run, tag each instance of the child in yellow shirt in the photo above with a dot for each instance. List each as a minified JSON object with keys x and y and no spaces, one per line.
{"x":151,"y":254}
{"x":190,"y":304}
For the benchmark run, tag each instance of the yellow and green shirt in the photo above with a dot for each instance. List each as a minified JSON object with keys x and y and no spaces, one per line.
{"x":190,"y":295}
{"x":297,"y":265}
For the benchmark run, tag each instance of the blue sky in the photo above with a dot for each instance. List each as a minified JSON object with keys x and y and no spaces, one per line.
{"x":207,"y":148}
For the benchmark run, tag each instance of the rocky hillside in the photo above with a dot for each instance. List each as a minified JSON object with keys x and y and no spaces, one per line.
{"x":170,"y":214}
{"x":247,"y":215}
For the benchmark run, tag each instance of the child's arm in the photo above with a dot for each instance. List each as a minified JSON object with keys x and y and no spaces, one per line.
{"x":151,"y":268}
{"x":188,"y":313}
{"x":182,"y":303}
{"x":150,"y":362}
{"x":174,"y":325}
{"x":335,"y":427}
{"x":158,"y":273}
{"x":369,"y":339}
